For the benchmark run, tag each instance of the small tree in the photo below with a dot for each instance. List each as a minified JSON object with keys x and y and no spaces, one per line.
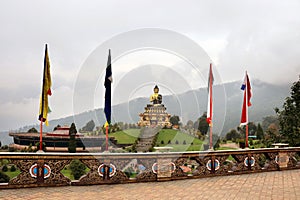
{"x":126,"y":126}
{"x":174,"y":120}
{"x":260,"y":132}
{"x":77,"y":169}
{"x":72,"y":141}
{"x":89,"y":126}
{"x":203,"y":125}
{"x":13,"y":168}
{"x":38,"y":146}
{"x":56,"y":127}
{"x":272,"y":135}
{"x":190,"y":124}
{"x":32,"y":130}
{"x":216,"y":141}
{"x":233,"y":135}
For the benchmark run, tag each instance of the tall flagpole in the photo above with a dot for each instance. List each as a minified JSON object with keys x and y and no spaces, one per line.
{"x":42,"y":102}
{"x":246,"y":103}
{"x":246,"y":90}
{"x":210,"y":106}
{"x":44,"y":99}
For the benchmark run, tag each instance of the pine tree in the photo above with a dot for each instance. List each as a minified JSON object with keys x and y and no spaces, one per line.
{"x":260,"y":132}
{"x":203,"y":125}
{"x":289,"y":117}
{"x":56,"y":127}
{"x":72,"y":141}
{"x":89,"y":126}
{"x":32,"y":130}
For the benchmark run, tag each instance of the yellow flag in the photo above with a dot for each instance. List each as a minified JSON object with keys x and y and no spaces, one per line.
{"x":46,"y":90}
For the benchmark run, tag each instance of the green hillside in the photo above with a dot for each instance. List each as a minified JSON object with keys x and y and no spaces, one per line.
{"x":126,"y":136}
{"x":178,"y":140}
{"x":166,"y":137}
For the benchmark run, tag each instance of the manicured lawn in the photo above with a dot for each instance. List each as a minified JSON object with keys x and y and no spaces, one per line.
{"x":172,"y":138}
{"x":178,"y":140}
{"x":126,"y":136}
{"x":12,"y":174}
{"x":176,"y":137}
{"x":180,"y":148}
{"x":226,"y":148}
{"x":67,"y":172}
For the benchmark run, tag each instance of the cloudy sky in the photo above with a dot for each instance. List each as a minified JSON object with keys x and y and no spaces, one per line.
{"x":262,"y":37}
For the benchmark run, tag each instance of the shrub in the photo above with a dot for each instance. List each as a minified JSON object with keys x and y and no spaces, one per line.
{"x":13,"y":168}
{"x":38,"y":146}
{"x":162,"y":142}
{"x":4,"y":168}
{"x":129,"y":172}
{"x":184,"y":142}
{"x":77,"y":169}
{"x":32,"y":130}
{"x":251,"y":141}
{"x":176,"y":142}
{"x":11,"y":149}
{"x":30,"y":149}
{"x":3,"y":178}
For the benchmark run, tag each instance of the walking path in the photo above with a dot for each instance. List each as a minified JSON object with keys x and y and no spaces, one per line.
{"x":268,"y":185}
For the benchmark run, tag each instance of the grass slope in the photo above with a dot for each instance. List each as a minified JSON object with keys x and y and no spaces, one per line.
{"x":178,"y":140}
{"x":172,"y":138}
{"x":126,"y":136}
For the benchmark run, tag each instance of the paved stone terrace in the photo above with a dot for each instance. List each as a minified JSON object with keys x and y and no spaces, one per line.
{"x":268,"y":185}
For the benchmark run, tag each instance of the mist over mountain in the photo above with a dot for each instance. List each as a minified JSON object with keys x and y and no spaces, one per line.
{"x":190,"y":106}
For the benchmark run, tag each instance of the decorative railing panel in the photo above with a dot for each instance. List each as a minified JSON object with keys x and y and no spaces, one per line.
{"x":44,"y":169}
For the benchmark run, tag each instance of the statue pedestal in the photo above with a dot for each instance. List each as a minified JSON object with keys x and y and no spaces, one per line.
{"x":155,"y":115}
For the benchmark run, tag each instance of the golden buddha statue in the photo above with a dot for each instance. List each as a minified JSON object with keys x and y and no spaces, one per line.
{"x":156,"y":98}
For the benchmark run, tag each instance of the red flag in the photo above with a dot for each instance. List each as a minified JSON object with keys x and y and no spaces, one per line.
{"x":210,"y":99}
{"x":246,"y":103}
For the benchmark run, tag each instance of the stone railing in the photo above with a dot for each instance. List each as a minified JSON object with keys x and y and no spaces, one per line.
{"x":144,"y":167}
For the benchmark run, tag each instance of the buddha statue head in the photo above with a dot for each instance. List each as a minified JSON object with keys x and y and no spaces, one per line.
{"x":156,"y":89}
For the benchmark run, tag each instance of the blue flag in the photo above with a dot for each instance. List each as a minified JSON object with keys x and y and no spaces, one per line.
{"x":107,"y":85}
